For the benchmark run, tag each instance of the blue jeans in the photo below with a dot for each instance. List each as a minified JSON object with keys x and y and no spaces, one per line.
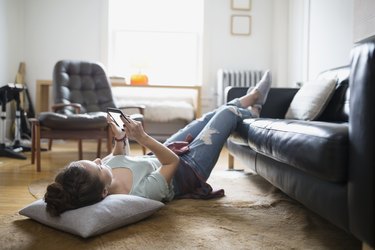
{"x":209,"y":133}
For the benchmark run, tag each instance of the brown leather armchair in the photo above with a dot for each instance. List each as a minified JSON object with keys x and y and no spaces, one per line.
{"x":82,"y":93}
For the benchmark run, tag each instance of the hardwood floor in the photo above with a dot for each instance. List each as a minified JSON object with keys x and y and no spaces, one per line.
{"x":16,"y":175}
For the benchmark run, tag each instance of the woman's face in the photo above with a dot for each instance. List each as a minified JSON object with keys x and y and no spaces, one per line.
{"x":96,"y":167}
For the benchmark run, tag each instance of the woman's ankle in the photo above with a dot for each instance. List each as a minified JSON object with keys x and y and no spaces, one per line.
{"x":255,"y":110}
{"x":250,"y":98}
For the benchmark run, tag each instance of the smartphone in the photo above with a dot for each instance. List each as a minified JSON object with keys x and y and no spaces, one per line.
{"x":116,"y":114}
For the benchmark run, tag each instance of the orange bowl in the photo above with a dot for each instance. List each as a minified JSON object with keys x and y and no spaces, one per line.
{"x":139,"y":79}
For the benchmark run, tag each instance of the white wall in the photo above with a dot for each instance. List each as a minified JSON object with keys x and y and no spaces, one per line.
{"x":54,"y":30}
{"x":321,"y":37}
{"x":296,"y":42}
{"x":263,"y":49}
{"x":11,"y":39}
{"x":280,"y":49}
{"x":364,"y":20}
{"x":11,"y":48}
{"x":331,"y":35}
{"x":40,"y":32}
{"x":74,"y":29}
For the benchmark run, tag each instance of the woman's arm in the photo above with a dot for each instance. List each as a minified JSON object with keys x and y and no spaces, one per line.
{"x":167,"y":158}
{"x":121,"y":146}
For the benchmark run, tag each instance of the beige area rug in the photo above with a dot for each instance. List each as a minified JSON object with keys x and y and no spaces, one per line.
{"x":252,"y":215}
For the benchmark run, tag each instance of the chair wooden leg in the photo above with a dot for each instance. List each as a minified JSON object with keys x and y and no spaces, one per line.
{"x":99,"y":148}
{"x":50,"y":144}
{"x":37,"y":148}
{"x":80,"y":155}
{"x":33,"y":143}
{"x":230,"y":162}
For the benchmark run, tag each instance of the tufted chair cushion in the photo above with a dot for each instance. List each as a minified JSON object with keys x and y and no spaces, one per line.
{"x":81,"y":82}
{"x":94,"y":120}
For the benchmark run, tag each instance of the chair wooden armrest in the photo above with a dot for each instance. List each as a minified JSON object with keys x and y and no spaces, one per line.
{"x":34,"y":121}
{"x":141,"y":108}
{"x":77,"y":107}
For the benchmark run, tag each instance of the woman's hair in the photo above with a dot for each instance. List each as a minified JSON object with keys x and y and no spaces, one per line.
{"x":74,"y":187}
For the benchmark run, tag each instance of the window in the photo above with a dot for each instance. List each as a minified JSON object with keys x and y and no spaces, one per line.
{"x":162,"y":39}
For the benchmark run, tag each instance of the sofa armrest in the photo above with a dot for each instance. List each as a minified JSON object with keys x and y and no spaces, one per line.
{"x":277,"y":103}
{"x":361,"y":186}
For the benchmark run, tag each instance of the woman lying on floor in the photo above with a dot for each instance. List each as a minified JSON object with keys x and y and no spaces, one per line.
{"x":179,"y":168}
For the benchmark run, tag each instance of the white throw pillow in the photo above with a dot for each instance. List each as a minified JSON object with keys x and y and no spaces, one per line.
{"x":113,"y":212}
{"x":310,"y":101}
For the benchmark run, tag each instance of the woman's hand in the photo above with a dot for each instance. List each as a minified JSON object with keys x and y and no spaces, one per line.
{"x":167,"y":158}
{"x":118,"y":132}
{"x":134,"y":129}
{"x":121,"y":146}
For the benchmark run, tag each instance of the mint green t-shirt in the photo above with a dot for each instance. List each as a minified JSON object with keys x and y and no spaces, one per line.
{"x":147,"y":180}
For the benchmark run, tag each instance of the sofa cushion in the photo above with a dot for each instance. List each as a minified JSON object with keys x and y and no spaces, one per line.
{"x":337,"y":109}
{"x":319,"y":148}
{"x":311,"y":99}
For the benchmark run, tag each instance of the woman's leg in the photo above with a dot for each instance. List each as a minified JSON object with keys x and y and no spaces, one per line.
{"x":193,"y":128}
{"x":255,"y":95}
{"x":206,"y":147}
{"x":210,"y":136}
{"x":196,"y":126}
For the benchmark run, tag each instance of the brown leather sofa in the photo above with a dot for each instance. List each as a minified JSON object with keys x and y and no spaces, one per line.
{"x":326,"y":164}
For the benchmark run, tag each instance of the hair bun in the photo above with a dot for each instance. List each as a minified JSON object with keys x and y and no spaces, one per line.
{"x":56,"y":199}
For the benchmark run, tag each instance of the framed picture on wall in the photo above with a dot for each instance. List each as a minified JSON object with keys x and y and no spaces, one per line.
{"x":241,"y":25}
{"x":241,"y":4}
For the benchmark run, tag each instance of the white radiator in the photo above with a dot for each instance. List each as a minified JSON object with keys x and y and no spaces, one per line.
{"x":235,"y":78}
